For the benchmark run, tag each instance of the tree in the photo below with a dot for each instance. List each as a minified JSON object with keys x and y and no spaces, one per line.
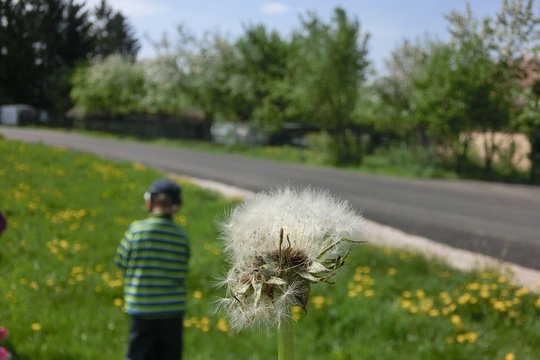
{"x":18,"y":72}
{"x":513,"y":39}
{"x":394,"y":88}
{"x":113,"y":34}
{"x":110,"y":87}
{"x":329,"y":64}
{"x":204,"y":66}
{"x":457,"y":92}
{"x":258,"y":75}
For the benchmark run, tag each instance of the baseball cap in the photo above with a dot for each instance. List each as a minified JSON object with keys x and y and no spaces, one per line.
{"x":167,"y":187}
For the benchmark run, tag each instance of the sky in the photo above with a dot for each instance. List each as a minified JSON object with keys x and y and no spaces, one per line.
{"x":388,"y":22}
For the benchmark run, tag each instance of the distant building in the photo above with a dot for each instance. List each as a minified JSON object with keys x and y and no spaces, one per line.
{"x":19,"y":115}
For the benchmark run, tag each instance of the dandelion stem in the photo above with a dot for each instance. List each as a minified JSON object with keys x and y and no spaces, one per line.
{"x":285,"y":337}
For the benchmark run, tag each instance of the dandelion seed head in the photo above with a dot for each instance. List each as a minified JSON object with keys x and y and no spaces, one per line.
{"x":312,"y":220}
{"x":278,"y":244}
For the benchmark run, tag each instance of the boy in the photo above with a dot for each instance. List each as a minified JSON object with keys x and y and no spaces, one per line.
{"x":154,"y":256}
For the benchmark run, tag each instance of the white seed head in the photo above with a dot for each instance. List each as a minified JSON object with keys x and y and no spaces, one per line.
{"x":278,"y":243}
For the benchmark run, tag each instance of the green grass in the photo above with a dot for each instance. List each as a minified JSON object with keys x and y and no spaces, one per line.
{"x":60,"y":294}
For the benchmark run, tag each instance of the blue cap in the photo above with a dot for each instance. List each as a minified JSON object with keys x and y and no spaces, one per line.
{"x":167,"y":187}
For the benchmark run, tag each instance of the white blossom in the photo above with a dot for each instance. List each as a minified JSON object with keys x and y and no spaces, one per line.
{"x":279,"y":243}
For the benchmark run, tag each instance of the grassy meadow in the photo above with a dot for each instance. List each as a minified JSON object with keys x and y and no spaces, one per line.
{"x":61,"y":295}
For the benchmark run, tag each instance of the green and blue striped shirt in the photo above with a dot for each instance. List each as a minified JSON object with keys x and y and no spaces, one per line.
{"x":154,"y":256}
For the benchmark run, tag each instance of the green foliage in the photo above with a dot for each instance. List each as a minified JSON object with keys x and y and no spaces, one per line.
{"x":329,"y":65}
{"x":258,"y":75}
{"x":114,"y":86}
{"x":163,"y":87}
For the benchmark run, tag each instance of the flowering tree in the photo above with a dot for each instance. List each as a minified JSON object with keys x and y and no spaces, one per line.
{"x":278,"y":244}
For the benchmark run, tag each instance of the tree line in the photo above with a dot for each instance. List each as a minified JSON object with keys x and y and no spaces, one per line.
{"x":431,"y":94}
{"x":43,"y":41}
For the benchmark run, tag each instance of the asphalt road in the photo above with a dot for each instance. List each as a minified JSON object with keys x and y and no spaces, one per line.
{"x":498,"y":220}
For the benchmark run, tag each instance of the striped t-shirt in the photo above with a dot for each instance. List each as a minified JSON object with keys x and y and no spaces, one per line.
{"x":154,"y":256}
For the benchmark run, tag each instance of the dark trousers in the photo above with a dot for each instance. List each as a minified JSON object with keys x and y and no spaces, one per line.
{"x":155,"y":339}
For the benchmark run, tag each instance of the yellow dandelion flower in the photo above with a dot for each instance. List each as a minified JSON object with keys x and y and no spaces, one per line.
{"x":118,"y":302}
{"x":36,"y":326}
{"x":499,"y":305}
{"x":447,"y":301}
{"x":77,"y":270}
{"x":34,"y":285}
{"x":473,"y":286}
{"x":353,"y":293}
{"x":460,"y":338}
{"x":521,"y":292}
{"x":182,"y":220}
{"x":455,"y":319}
{"x":445,"y":311}
{"x":464,"y":298}
{"x":223,"y":326}
{"x":318,"y":301}
{"x":405,"y":303}
{"x":50,"y":282}
{"x":471,"y":337}
{"x":510,"y":356}
{"x":205,"y":328}
{"x":197,"y":294}
{"x":413,"y":309}
{"x":369,"y":293}
{"x":392,"y":271}
{"x":420,"y":294}
{"x":407,"y":294}
{"x":444,"y":295}
{"x":434,"y":312}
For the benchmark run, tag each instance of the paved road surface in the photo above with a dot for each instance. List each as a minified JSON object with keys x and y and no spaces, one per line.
{"x":499,"y":220}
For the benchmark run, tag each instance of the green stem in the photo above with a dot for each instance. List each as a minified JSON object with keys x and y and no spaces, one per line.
{"x":285,"y":337}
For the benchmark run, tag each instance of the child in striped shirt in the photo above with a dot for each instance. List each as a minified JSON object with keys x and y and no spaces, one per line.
{"x":153,"y":255}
